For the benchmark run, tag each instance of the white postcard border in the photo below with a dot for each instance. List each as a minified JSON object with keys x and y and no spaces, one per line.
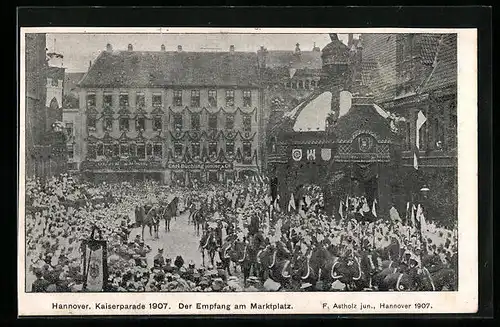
{"x":465,"y":300}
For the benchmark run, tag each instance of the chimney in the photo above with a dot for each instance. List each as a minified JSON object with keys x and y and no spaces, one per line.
{"x":297,"y":48}
{"x":179,"y":48}
{"x":350,"y":38}
{"x":90,"y":64}
{"x":109,"y":47}
{"x":130,"y":47}
{"x":262,"y":56}
{"x":231,"y":48}
{"x":163,"y":47}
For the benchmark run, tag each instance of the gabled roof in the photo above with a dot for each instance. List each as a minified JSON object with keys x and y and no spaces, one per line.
{"x":444,"y":73}
{"x":283,"y":58}
{"x":160,"y":68}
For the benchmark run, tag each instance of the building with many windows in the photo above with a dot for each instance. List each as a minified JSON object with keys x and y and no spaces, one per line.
{"x":175,"y":117}
{"x":412,"y":73}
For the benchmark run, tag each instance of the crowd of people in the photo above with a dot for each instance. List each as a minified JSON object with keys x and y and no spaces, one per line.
{"x":62,"y":212}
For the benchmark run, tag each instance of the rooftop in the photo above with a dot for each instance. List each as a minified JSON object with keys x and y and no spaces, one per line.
{"x":161,"y":68}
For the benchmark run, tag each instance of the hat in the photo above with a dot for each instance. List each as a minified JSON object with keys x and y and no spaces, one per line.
{"x":160,"y":249}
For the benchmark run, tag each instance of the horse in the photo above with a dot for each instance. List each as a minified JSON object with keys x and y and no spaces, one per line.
{"x":148,"y":218}
{"x":302,"y":272}
{"x":239,"y":254}
{"x":169,"y":211}
{"x":437,"y":280}
{"x":198,"y":220}
{"x":328,"y":267}
{"x":224,"y":256}
{"x":274,"y":266}
{"x":208,"y":243}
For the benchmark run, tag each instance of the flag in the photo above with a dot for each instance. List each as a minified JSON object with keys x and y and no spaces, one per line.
{"x":341,"y":211}
{"x":421,"y":119}
{"x":374,"y":211}
{"x":407,"y":212}
{"x":347,"y":202}
{"x":423,"y":223}
{"x":267,"y":200}
{"x":413,"y":215}
{"x":291,"y":203}
{"x":415,"y":160}
{"x":276,"y":204}
{"x":247,"y":201}
{"x":365,"y":206}
{"x":308,"y":200}
{"x":394,"y":214}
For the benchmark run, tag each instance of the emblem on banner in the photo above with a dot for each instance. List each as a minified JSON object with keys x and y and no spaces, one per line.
{"x":326,"y":154}
{"x":365,"y":143}
{"x":94,"y":269}
{"x":297,"y":154}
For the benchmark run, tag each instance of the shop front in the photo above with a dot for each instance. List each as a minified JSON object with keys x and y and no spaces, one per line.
{"x":122,"y":171}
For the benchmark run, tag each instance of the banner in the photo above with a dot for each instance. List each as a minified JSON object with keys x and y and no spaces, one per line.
{"x":120,"y":165}
{"x":201,"y":166}
{"x":95,"y":265}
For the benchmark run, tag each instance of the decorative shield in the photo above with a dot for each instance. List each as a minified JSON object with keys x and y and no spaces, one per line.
{"x":297,"y":154}
{"x":365,"y":143}
{"x":326,"y":154}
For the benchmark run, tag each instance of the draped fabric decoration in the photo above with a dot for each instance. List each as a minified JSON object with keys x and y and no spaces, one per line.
{"x":367,"y":175}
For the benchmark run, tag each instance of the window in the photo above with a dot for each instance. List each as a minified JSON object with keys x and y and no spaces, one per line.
{"x":288,"y":85}
{"x":195,"y":121}
{"x":195,"y":149}
{"x":422,"y":136}
{"x":247,"y":123}
{"x":149,"y":150}
{"x":108,"y":123}
{"x":157,"y":102}
{"x":247,"y":149}
{"x":141,"y":151}
{"x":91,"y":123}
{"x":124,"y":124}
{"x":301,"y":84}
{"x":230,"y":98}
{"x":438,"y":134}
{"x":107,"y":100}
{"x":307,"y":84}
{"x":195,"y":98}
{"x":247,"y":98}
{"x":108,"y":150}
{"x":229,"y":121}
{"x":212,"y":148}
{"x":133,"y":149}
{"x":100,"y":149}
{"x":140,"y":101}
{"x":91,"y":151}
{"x":91,"y":101}
{"x":212,"y":121}
{"x":158,"y":150}
{"x":178,"y":122}
{"x":157,"y":124}
{"x":70,"y":151}
{"x":140,"y":124}
{"x":230,"y":148}
{"x":178,"y":98}
{"x":123,"y":101}
{"x":69,"y":129}
{"x":407,"y":136}
{"x":124,"y":149}
{"x":177,"y":149}
{"x":116,"y":149}
{"x":452,"y":130}
{"x":212,"y":98}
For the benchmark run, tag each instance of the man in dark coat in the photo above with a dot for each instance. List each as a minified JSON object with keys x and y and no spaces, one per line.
{"x":40,"y":284}
{"x":253,"y":228}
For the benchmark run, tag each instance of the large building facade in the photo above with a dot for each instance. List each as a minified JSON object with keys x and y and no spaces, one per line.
{"x":412,"y":73}
{"x":176,"y":117}
{"x":45,"y":148}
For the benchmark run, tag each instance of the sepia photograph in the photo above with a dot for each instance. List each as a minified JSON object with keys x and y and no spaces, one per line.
{"x":240,"y":162}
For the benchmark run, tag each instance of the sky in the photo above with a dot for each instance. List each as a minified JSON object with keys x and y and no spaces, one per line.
{"x":79,"y":49}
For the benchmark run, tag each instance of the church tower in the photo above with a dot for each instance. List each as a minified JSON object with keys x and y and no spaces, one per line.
{"x":335,"y":57}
